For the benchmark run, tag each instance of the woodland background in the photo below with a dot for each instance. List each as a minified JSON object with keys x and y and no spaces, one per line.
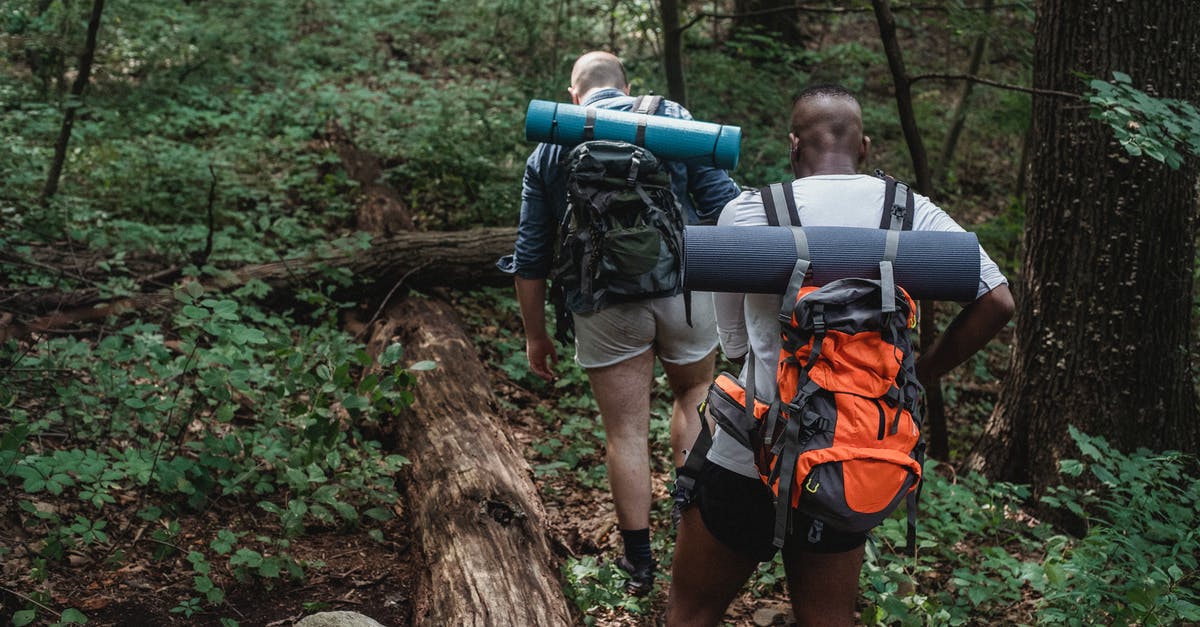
{"x":255,"y":361}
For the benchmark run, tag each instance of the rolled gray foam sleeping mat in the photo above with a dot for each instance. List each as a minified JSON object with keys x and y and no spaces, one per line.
{"x":933,"y":265}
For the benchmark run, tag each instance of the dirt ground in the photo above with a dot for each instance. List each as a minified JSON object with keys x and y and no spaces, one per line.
{"x":127,"y":585}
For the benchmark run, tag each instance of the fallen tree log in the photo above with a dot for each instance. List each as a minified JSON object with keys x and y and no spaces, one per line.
{"x":475,"y":509}
{"x":421,"y":260}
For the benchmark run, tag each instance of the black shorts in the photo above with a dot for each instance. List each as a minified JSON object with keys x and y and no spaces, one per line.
{"x":740,"y":512}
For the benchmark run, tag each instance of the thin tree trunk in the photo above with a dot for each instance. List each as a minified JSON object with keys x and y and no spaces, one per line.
{"x":935,"y":410}
{"x":673,"y":50}
{"x":959,"y":117}
{"x":73,"y":103}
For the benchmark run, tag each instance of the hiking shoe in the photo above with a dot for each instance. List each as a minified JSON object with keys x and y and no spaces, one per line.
{"x":641,"y":577}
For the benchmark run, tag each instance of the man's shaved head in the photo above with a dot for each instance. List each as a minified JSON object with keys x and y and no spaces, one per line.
{"x":595,"y":70}
{"x":827,"y":128}
{"x":829,"y":116}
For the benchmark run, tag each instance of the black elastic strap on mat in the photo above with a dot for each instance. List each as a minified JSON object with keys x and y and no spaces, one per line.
{"x":589,"y":125}
{"x":645,"y":105}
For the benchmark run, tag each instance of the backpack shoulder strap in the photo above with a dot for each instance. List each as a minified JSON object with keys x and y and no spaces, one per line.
{"x":898,"y":210}
{"x":779,"y":201}
{"x":899,"y":205}
{"x":644,"y":105}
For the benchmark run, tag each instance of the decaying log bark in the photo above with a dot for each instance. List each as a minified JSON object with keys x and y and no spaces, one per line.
{"x":475,"y":509}
{"x":456,"y":259}
{"x":461,"y":259}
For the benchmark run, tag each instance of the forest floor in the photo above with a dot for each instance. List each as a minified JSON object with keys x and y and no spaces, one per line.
{"x":142,"y":580}
{"x":142,"y":575}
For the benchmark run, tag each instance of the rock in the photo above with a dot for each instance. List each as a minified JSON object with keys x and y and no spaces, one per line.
{"x":338,"y":619}
{"x":770,"y":616}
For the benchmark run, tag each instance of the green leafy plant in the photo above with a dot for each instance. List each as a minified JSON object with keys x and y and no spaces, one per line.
{"x":1140,"y":560}
{"x":593,"y":586}
{"x":1164,"y":129}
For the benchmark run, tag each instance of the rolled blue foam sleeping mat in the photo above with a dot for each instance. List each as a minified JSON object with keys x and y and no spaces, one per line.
{"x":690,"y":141}
{"x":932,"y":265}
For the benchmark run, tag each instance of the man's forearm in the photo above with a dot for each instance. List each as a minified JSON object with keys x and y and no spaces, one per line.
{"x":531,"y":296}
{"x":970,"y":331}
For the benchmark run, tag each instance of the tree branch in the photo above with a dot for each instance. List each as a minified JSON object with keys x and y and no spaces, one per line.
{"x":804,"y":8}
{"x":984,"y":81}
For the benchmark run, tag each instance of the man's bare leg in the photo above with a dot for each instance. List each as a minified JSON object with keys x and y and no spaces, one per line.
{"x":823,"y":586}
{"x":705,"y":575}
{"x":622,"y":391}
{"x":689,"y":385}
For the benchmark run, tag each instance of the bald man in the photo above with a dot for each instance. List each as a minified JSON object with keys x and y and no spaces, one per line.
{"x":729,"y":527}
{"x":617,"y":345}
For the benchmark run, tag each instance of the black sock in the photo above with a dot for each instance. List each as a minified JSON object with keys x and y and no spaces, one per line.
{"x":637,"y":545}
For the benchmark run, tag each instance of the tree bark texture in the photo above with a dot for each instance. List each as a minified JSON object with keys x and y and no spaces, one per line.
{"x":477,"y":513}
{"x":1103,"y":333}
{"x":935,"y":407}
{"x":73,"y":103}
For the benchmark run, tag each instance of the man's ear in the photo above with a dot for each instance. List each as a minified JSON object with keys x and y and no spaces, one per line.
{"x":626,"y":89}
{"x":574,"y":94}
{"x":794,"y":154}
{"x":864,"y":151}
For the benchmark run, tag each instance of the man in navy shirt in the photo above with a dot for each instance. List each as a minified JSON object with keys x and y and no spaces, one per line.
{"x":617,"y":345}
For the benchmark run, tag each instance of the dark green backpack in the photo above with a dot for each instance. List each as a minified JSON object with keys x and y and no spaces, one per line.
{"x":621,"y":238}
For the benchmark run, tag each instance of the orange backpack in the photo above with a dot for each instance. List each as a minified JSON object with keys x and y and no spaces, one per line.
{"x":842,"y":441}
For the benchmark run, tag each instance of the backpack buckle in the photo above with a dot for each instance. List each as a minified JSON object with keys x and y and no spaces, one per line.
{"x":819,"y":319}
{"x":634,"y":162}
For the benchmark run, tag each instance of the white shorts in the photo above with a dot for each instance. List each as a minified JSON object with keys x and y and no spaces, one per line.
{"x":619,"y":332}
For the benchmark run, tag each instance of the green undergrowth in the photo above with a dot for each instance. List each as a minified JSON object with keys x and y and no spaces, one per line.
{"x":223,"y":411}
{"x":983,"y":557}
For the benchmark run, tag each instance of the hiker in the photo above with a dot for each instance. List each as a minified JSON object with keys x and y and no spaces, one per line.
{"x":731,"y":523}
{"x":617,"y":344}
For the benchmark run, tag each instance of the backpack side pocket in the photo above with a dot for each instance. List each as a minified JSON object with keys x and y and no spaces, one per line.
{"x":726,"y":406}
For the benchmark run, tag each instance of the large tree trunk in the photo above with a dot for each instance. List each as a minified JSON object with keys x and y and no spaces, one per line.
{"x":475,"y":508}
{"x":1103,"y":323}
